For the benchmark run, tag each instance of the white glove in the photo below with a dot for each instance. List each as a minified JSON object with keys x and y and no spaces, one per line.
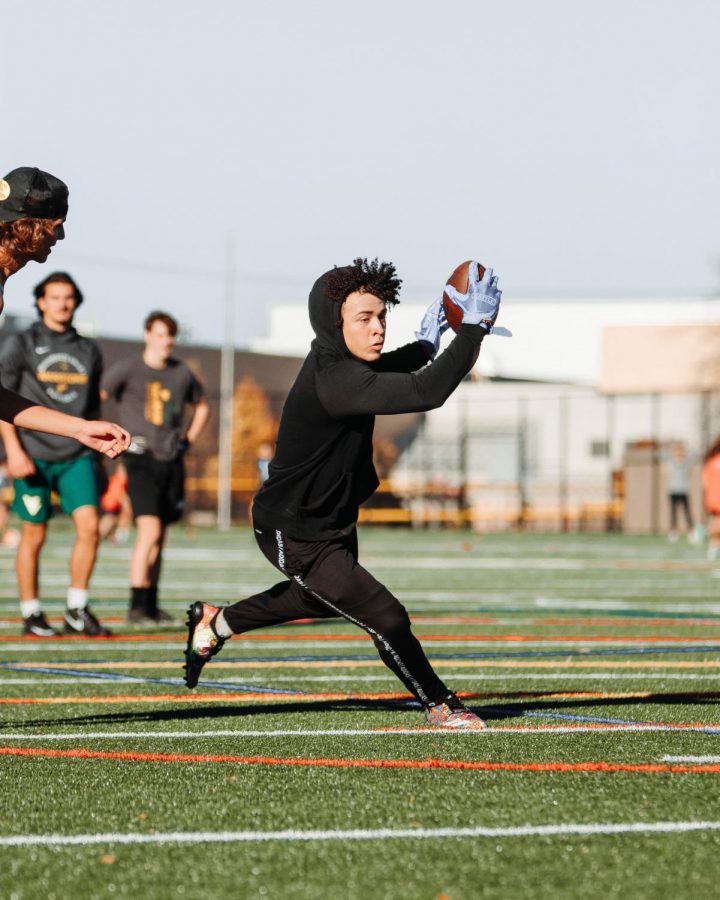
{"x":434,"y":324}
{"x":481,"y":304}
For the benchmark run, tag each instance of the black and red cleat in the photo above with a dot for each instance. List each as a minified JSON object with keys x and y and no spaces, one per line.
{"x":203,"y":641}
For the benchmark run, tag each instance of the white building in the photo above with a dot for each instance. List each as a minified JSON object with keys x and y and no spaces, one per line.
{"x":552,"y":340}
{"x":541,"y":435}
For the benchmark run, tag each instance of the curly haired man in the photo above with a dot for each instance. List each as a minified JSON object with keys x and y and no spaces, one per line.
{"x":305,"y":514}
{"x":33,"y":209}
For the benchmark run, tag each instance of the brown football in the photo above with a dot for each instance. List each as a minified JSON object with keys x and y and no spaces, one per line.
{"x":459,"y":280}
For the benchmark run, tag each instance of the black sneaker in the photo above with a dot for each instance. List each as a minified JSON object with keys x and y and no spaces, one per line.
{"x":139,"y":617}
{"x":38,"y":626}
{"x":82,"y":621}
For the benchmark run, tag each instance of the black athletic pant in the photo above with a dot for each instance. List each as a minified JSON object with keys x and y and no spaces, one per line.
{"x":680,"y":501}
{"x":325,"y":580}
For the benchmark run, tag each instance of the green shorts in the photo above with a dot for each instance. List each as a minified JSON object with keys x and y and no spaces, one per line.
{"x":74,"y":481}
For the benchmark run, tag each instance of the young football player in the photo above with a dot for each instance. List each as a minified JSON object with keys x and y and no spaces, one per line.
{"x":306,"y":511}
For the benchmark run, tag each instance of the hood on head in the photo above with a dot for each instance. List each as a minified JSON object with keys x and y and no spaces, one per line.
{"x":324,"y":317}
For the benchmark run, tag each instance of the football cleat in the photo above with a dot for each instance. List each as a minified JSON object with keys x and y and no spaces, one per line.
{"x":452,"y":713}
{"x":203,"y":641}
{"x":82,"y":621}
{"x":38,"y":626}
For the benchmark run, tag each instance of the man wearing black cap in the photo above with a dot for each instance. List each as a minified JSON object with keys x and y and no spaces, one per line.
{"x":33,"y":207}
{"x":55,"y":366}
{"x":305,"y":514}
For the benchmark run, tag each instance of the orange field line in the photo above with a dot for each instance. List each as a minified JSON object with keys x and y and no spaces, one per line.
{"x":384,"y":695}
{"x":195,"y":698}
{"x":605,"y":767}
{"x":361,"y":637}
{"x":100,"y":665}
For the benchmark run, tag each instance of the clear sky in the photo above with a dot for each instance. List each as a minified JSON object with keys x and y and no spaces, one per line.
{"x":573,"y":146}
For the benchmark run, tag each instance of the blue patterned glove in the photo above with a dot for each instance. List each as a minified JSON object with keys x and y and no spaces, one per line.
{"x":481,"y":303}
{"x":434,"y":324}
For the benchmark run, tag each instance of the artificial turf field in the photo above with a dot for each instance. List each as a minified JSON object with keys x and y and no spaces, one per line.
{"x":297,"y":769}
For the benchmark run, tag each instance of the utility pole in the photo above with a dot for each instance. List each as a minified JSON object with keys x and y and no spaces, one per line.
{"x":227,"y":390}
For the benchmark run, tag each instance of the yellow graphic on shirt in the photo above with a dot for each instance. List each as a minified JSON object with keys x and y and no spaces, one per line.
{"x":61,"y":374}
{"x":156,"y":399}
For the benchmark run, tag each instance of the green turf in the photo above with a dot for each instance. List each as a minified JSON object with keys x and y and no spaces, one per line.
{"x":530,"y":587}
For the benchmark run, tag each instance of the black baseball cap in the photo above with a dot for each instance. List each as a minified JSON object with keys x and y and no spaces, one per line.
{"x":29,"y":193}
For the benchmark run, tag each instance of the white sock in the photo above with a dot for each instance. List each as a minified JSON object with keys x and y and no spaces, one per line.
{"x":29,"y":607}
{"x":77,"y":598}
{"x":222,"y":629}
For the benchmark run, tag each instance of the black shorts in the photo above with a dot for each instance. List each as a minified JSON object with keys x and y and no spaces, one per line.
{"x":155,"y":487}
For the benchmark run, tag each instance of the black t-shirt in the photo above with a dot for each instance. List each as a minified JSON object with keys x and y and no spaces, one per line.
{"x":57,"y":369}
{"x":151,"y":401}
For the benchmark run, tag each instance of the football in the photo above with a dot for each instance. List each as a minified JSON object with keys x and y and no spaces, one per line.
{"x":459,"y":280}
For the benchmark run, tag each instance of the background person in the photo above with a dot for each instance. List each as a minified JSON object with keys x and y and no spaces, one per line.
{"x":116,"y":518}
{"x":679,"y":471}
{"x":153,"y":393}
{"x":33,"y":209}
{"x":53,"y":365}
{"x":305,"y":514}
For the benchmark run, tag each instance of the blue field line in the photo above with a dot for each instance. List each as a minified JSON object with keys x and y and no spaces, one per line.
{"x":599,"y":720}
{"x":512,"y":654}
{"x":710,"y":729}
{"x":173,"y":682}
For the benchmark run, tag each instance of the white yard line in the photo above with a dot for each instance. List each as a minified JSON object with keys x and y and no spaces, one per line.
{"x":360,"y":834}
{"x":699,"y":760}
{"x":420,"y":731}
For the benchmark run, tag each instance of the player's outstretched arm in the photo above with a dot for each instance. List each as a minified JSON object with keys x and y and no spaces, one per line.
{"x":105,"y":437}
{"x":412,"y":357}
{"x":348,"y":389}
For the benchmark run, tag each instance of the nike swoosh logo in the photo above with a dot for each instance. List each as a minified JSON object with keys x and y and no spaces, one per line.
{"x":78,"y":626}
{"x":41,"y":350}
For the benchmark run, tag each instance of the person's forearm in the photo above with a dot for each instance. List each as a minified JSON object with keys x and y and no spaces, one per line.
{"x":21,"y":413}
{"x":363,"y":391}
{"x":199,"y":420}
{"x":409,"y":358}
{"x":9,"y":435}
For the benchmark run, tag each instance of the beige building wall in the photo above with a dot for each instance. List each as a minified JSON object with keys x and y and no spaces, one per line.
{"x":648,"y":359}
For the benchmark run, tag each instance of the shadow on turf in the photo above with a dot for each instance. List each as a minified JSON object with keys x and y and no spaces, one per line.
{"x":495,"y":712}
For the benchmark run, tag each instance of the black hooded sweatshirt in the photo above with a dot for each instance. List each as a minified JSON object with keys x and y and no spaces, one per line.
{"x":323,"y":468}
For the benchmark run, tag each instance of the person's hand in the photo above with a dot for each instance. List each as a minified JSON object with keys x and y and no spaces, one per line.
{"x":105,"y":437}
{"x":434,"y":324}
{"x":183,"y":445}
{"x":20,"y":465}
{"x":481,"y":304}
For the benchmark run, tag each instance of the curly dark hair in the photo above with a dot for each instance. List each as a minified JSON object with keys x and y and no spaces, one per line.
{"x":366,"y":277}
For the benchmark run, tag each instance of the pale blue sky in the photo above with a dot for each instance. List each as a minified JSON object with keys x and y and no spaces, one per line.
{"x":573,"y":146}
